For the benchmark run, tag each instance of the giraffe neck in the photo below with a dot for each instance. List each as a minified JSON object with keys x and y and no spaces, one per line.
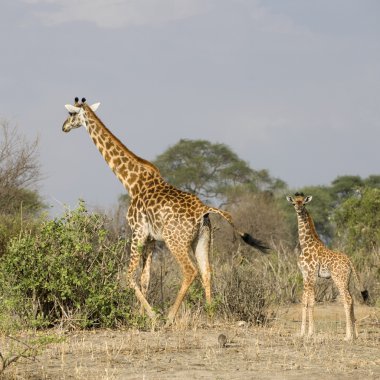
{"x":306,"y":230}
{"x":132,"y":171}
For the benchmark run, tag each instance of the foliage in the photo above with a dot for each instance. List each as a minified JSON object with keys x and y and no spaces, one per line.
{"x":344,"y":186}
{"x":66,"y":273}
{"x":12,"y":225}
{"x":358,"y":221}
{"x":209,"y":170}
{"x":372,"y":181}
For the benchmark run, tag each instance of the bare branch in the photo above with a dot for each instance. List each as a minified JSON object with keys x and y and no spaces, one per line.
{"x":19,"y":166}
{"x":20,"y":169}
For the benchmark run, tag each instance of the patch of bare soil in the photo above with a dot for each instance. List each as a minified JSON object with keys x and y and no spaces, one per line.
{"x":195,"y":352}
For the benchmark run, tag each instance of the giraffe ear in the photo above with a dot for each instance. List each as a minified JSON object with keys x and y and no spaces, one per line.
{"x":289,"y":199}
{"x":72,"y":109}
{"x":307,"y":199}
{"x":95,"y":106}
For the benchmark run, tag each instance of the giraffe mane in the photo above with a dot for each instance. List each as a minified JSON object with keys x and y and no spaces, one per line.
{"x":137,"y":158}
{"x":312,"y":225}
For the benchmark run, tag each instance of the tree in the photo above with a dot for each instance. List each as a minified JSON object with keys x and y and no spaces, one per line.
{"x":19,"y":172}
{"x":358,"y":220}
{"x":372,"y":181}
{"x":209,"y":170}
{"x":343,"y":187}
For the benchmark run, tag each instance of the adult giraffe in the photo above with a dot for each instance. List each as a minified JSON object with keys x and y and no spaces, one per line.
{"x":158,"y":211}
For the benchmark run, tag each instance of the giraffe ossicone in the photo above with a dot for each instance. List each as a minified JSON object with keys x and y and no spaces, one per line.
{"x":74,"y":109}
{"x":158,"y":211}
{"x":318,"y":260}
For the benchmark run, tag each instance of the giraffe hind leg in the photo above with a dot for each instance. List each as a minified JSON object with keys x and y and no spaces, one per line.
{"x":189,"y":272}
{"x":352,"y":316}
{"x":342,"y":280}
{"x":202,"y":255}
{"x":351,"y":332}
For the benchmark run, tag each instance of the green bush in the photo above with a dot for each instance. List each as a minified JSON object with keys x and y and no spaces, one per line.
{"x":66,"y":273}
{"x":12,"y":224}
{"x":358,"y":222}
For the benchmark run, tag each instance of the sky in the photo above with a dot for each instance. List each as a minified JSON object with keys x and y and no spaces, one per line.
{"x":291,"y":86}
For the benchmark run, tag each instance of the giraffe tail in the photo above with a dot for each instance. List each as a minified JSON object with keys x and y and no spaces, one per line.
{"x":364,"y":292}
{"x":258,"y":244}
{"x":247,"y":238}
{"x":365,"y":295}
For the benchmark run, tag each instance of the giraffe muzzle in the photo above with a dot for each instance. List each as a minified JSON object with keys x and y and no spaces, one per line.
{"x":65,"y":127}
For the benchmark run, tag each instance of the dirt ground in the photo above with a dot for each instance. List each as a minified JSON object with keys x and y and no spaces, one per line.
{"x":191,"y":350}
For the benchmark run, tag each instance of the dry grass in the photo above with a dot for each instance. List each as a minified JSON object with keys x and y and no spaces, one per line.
{"x":190,"y":349}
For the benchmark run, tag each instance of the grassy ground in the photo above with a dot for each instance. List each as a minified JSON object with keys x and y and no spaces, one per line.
{"x":190,"y":350}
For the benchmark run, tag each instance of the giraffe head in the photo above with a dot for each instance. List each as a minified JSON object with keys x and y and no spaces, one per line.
{"x":299,"y":200}
{"x":77,"y":115}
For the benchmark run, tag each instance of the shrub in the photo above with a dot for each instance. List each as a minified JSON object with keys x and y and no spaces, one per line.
{"x":66,"y":273}
{"x":251,"y":288}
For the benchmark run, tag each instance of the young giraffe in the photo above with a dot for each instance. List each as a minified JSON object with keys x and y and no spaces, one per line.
{"x":158,"y":211}
{"x":317,"y":260}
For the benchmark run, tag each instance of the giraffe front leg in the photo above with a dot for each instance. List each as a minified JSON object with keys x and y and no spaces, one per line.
{"x":308,"y":305}
{"x":145,"y":272}
{"x":311,"y":302}
{"x":136,"y":250}
{"x":304,"y":312}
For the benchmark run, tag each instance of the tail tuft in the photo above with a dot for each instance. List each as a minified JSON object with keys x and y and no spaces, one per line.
{"x":365,"y":295}
{"x":254,"y":242}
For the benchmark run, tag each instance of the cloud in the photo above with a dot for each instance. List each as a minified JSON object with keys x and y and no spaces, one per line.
{"x":124,"y":13}
{"x":268,"y":21}
{"x":115,"y":13}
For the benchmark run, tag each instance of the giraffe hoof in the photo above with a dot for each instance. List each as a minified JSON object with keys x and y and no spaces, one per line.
{"x":169,"y":322}
{"x":151,"y":314}
{"x":156,"y":323}
{"x":300,"y":334}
